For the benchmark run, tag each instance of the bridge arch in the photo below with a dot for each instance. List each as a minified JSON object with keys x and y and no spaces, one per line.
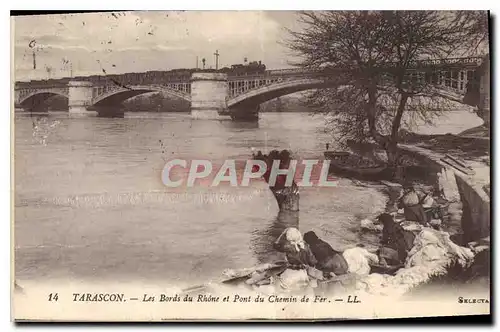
{"x":119,"y":94}
{"x":275,"y":90}
{"x":35,"y":99}
{"x":265,"y":93}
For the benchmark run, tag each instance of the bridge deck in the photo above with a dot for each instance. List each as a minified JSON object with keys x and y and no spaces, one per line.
{"x":452,"y":75}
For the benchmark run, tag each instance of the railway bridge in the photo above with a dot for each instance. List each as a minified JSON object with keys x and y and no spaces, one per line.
{"x":215,"y":94}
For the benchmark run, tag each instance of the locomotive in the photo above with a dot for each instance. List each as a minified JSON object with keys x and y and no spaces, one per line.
{"x":152,"y":77}
{"x":252,"y":68}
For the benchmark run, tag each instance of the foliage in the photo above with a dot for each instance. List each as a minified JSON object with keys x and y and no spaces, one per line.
{"x":371,"y":56}
{"x":477,"y":25}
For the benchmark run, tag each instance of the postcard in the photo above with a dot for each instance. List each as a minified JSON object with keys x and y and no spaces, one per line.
{"x":250,"y":165}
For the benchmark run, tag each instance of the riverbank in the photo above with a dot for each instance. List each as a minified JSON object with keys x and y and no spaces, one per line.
{"x":465,"y":185}
{"x":439,"y":261}
{"x":456,"y":167}
{"x":468,"y":191}
{"x":462,"y":168}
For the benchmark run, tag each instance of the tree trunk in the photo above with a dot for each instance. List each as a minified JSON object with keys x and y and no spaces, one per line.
{"x":391,"y":147}
{"x":392,"y":160}
{"x":396,"y":123}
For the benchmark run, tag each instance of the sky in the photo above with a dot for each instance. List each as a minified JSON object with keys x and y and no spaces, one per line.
{"x":138,"y":41}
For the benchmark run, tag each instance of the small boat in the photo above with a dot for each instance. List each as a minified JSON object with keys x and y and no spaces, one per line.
{"x":357,"y":170}
{"x":337,"y":155}
{"x":346,"y":163}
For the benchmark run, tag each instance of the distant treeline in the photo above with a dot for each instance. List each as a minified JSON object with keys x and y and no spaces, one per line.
{"x":157,"y":102}
{"x":284,"y":104}
{"x":54,"y":103}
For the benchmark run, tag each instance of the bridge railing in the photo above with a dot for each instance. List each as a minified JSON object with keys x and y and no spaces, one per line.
{"x":413,"y":64}
{"x":476,"y":61}
{"x":452,"y":79}
{"x":184,"y":77}
{"x":439,"y":62}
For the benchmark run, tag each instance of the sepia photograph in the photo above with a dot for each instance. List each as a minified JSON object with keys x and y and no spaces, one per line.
{"x":250,"y":165}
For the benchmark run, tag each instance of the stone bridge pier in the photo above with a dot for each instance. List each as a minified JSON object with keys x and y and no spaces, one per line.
{"x":214,"y":95}
{"x":209,"y":96}
{"x":209,"y":92}
{"x":80,"y":98}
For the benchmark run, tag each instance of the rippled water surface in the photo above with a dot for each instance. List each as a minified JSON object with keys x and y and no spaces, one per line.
{"x":90,"y":204}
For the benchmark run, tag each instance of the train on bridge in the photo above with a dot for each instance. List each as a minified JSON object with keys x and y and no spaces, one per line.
{"x":252,"y":68}
{"x":255,"y":68}
{"x":172,"y":76}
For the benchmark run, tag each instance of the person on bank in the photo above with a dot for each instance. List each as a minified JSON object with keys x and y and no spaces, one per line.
{"x":413,"y":209}
{"x":329,"y":260}
{"x":396,"y":242}
{"x":298,"y":252}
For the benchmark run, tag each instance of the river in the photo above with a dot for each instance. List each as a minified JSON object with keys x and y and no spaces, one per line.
{"x":90,"y":204}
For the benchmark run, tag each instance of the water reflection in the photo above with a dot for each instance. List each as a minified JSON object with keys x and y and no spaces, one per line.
{"x":111,"y":115}
{"x":110,"y":112}
{"x":240,"y":124}
{"x":33,"y":115}
{"x":262,"y":239}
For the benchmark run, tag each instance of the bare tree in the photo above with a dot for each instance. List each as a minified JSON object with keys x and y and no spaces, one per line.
{"x":477,"y":25}
{"x":371,"y":56}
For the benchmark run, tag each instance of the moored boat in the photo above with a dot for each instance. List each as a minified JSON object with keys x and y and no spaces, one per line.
{"x":343,"y":162}
{"x":337,"y":155}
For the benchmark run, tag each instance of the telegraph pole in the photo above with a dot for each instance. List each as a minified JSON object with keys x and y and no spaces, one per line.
{"x":196,"y":62}
{"x":32,"y":45}
{"x":216,"y":59}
